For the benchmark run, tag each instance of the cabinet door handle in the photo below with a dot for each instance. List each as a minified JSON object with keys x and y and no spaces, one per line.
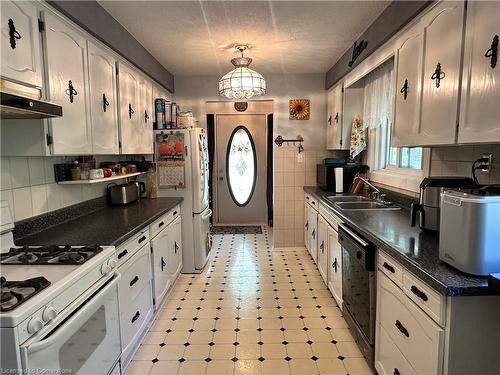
{"x":130,"y":111}
{"x":162,"y":264}
{"x":122,"y":254}
{"x":71,"y":91}
{"x":176,"y":247}
{"x":438,"y":75}
{"x":334,"y":264}
{"x":330,"y":120}
{"x":388,"y":267}
{"x":313,"y":233}
{"x":142,"y":239}
{"x":174,"y":213}
{"x":401,"y":328}
{"x":404,"y":90}
{"x":491,"y":54}
{"x":146,"y":116}
{"x":307,"y":225}
{"x":136,"y":316}
{"x":419,"y":293}
{"x":105,"y":102}
{"x":396,"y":372}
{"x":337,"y":118}
{"x":134,"y":280}
{"x":13,"y":34}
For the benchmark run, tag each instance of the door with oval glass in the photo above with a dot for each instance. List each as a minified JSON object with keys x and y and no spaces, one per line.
{"x":241,"y":169}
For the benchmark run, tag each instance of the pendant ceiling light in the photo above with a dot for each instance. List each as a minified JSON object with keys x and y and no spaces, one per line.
{"x":242,"y":82}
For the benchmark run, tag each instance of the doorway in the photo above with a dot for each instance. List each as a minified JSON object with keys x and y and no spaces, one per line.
{"x":240,"y":170}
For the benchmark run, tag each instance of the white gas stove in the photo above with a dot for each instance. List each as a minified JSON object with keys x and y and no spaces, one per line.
{"x":59,"y":306}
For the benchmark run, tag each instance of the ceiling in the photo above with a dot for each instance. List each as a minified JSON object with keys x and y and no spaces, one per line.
{"x":198,"y":37}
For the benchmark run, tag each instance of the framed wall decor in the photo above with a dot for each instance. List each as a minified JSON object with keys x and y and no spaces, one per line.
{"x":299,"y":109}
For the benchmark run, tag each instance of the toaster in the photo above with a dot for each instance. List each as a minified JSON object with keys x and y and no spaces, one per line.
{"x":125,"y":193}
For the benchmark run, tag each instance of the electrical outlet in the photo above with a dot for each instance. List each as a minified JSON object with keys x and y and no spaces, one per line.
{"x":486,"y":166}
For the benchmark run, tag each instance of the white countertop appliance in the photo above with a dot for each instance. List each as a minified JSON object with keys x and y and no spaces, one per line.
{"x":59,"y":307}
{"x":195,"y":212}
{"x":470,"y":230}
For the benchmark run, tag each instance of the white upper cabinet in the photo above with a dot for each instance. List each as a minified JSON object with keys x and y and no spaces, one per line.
{"x":146,"y":117}
{"x":443,"y":30}
{"x":66,"y":56}
{"x":128,"y":81}
{"x":480,"y":100}
{"x":408,"y":89}
{"x":103,"y":103}
{"x":335,"y":136}
{"x":20,"y":41}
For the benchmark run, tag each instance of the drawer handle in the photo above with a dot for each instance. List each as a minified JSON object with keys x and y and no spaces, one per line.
{"x":136,"y":316}
{"x":307,"y":198}
{"x":161,"y":224}
{"x":174,"y":213}
{"x":122,"y":254}
{"x":176,"y":247}
{"x":387,"y":266}
{"x":396,"y":372}
{"x":402,"y":328}
{"x":313,"y":202}
{"x":419,"y":293}
{"x":142,"y":239}
{"x":162,"y":263}
{"x":134,"y":280}
{"x":322,"y":246}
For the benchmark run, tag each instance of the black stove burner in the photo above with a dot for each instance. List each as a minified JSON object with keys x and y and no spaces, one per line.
{"x":51,"y":255}
{"x":14,"y":293}
{"x":482,"y":190}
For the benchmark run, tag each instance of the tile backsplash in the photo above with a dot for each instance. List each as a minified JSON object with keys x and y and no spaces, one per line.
{"x":457,"y":161}
{"x":290,"y":176}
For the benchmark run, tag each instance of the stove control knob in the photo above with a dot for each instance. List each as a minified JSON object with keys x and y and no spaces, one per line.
{"x":34,"y":325}
{"x":112,"y":263}
{"x":49,"y":313}
{"x":105,"y":268}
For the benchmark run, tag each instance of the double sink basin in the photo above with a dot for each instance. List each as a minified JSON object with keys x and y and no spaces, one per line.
{"x":352,"y":203}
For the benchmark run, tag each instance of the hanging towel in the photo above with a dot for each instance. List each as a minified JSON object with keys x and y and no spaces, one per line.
{"x":358,"y":138}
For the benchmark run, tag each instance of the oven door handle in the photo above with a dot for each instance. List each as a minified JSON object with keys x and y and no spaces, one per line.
{"x":353,"y":235}
{"x":67,"y":329}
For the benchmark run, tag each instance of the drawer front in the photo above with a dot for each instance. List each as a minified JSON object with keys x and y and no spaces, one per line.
{"x":156,"y":226}
{"x":136,"y":317}
{"x":415,"y":334}
{"x":312,"y":201}
{"x":388,"y":359}
{"x":390,"y":268}
{"x":331,"y":218}
{"x":432,"y":302}
{"x":136,"y":273}
{"x":126,"y":250}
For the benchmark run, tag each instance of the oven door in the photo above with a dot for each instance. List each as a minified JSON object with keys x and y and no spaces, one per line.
{"x":84,"y":340}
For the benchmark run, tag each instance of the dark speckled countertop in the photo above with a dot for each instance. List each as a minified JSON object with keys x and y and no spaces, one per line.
{"x":390,"y":230}
{"x":105,"y":226}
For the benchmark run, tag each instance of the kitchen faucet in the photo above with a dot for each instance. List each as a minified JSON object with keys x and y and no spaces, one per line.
{"x":376,"y":194}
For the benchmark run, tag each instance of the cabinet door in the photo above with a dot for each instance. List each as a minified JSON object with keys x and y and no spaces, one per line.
{"x":323,"y":247}
{"x":441,"y":74}
{"x":128,"y":81}
{"x":66,"y":51}
{"x":408,"y":88}
{"x":161,"y":245}
{"x":20,"y":58}
{"x":103,"y":104}
{"x":479,"y":107}
{"x":306,"y":227}
{"x":174,"y":262}
{"x":313,"y":234}
{"x":330,"y":134}
{"x":335,"y":266}
{"x":335,"y":137}
{"x":145,"y":135}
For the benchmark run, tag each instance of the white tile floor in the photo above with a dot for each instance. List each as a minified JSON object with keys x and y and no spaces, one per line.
{"x":254,"y":310}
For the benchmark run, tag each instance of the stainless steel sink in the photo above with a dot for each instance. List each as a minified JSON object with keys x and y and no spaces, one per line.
{"x":364,"y":205}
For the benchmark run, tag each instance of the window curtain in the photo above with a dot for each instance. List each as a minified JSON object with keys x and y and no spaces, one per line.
{"x":377,"y":114}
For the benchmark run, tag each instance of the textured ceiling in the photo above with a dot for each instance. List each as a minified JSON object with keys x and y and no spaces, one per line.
{"x":197,"y":37}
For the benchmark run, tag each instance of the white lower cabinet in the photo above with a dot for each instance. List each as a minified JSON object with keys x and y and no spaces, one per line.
{"x":312,"y":220}
{"x":323,"y":247}
{"x":389,"y":360}
{"x":335,"y":266}
{"x":174,"y":257}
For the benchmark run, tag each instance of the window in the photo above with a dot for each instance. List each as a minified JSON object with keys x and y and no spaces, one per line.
{"x":406,"y":157}
{"x":241,"y":166}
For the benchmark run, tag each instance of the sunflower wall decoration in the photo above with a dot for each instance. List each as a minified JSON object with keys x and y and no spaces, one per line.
{"x":299,"y":109}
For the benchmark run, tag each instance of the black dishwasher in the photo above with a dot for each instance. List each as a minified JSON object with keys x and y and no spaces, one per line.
{"x":359,"y":289}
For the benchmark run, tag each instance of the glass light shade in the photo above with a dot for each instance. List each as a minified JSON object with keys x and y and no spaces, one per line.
{"x":242,"y":83}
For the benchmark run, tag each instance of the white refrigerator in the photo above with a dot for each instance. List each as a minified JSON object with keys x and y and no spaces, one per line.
{"x":196,"y":238}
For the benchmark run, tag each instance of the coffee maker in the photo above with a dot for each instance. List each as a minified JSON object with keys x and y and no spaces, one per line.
{"x":429,"y":206}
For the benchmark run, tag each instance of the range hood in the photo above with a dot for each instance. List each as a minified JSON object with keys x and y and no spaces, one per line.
{"x":20,"y":102}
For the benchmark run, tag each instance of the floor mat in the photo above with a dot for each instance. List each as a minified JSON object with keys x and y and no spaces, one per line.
{"x":237,"y":229}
